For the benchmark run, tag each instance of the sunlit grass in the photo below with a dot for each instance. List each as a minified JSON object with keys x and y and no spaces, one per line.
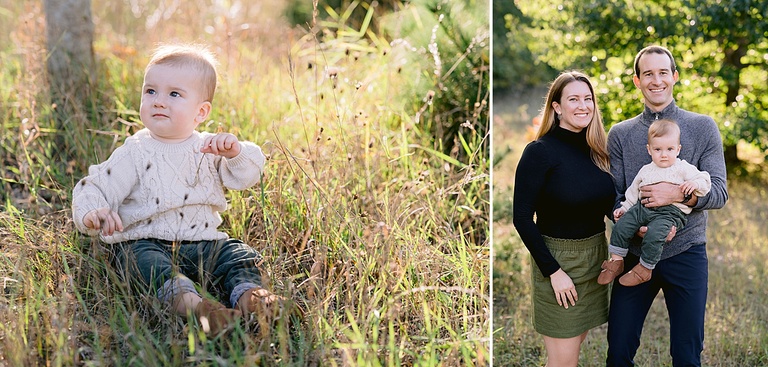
{"x":364,"y":224}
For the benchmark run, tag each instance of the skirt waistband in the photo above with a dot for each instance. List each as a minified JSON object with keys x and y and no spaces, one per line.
{"x":567,"y":244}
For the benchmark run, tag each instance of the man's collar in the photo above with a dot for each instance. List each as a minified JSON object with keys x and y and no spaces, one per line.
{"x":667,"y":112}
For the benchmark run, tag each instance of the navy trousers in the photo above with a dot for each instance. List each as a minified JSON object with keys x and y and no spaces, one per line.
{"x":683,"y":279}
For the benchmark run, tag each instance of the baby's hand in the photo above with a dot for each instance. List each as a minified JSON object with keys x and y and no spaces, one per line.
{"x":688,"y":187}
{"x":104,"y":219}
{"x":618,"y":213}
{"x":223,"y":144}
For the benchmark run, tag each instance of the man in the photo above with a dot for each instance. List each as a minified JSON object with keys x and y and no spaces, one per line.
{"x":682,"y":271}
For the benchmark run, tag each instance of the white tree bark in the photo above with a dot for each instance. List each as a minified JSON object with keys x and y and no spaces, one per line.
{"x":71,"y":71}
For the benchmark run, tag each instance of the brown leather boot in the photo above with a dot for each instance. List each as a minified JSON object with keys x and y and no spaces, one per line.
{"x":215,"y":318}
{"x":638,"y":275}
{"x":611,"y":269}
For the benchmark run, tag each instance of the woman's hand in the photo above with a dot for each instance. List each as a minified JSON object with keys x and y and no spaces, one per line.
{"x":565,"y":291}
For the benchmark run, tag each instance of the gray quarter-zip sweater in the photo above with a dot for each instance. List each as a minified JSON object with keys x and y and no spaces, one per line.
{"x":702,"y":147}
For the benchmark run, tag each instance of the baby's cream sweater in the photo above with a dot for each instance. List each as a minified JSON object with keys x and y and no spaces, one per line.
{"x":165,"y":191}
{"x":677,"y":173}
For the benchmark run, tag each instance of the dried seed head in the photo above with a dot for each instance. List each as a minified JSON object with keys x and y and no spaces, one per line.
{"x":332,"y":71}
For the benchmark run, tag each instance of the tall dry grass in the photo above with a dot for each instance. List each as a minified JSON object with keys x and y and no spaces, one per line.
{"x":736,"y":326}
{"x":363,"y":222}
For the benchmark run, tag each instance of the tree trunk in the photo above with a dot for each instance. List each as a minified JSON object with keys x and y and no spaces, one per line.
{"x":731,"y":153}
{"x":71,"y":71}
{"x":731,"y":72}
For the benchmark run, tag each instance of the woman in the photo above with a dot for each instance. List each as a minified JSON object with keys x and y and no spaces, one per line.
{"x":563,"y":179}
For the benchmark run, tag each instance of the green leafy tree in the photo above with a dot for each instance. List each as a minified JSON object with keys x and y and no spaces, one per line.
{"x":721,"y":48}
{"x":514,"y":65}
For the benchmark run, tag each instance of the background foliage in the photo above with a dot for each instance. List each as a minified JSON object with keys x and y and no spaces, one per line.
{"x":721,"y":48}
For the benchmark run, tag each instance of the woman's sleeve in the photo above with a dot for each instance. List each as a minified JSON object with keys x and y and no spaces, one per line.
{"x":529,"y":179}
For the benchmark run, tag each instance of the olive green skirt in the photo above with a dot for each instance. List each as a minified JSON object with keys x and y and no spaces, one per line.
{"x":581,"y":260}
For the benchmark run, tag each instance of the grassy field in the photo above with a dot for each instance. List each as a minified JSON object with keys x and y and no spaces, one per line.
{"x":736,"y":328}
{"x":363,"y":220}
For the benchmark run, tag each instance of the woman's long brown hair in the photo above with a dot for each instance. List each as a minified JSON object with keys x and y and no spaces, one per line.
{"x":596,"y":136}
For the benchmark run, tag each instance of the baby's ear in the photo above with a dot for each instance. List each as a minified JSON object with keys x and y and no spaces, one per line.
{"x":203,"y":111}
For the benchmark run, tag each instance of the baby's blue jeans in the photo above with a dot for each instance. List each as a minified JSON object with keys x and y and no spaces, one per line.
{"x":224,"y":268}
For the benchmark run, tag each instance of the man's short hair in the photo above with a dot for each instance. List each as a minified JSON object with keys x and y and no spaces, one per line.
{"x":654,"y":49}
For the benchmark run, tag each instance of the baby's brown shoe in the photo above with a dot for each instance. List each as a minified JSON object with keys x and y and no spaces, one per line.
{"x":264,"y":310}
{"x":259,"y":305}
{"x":638,"y":275}
{"x":611,"y":269}
{"x":257,"y":300}
{"x":215,"y":318}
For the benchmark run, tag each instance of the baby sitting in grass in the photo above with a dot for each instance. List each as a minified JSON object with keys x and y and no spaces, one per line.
{"x":158,"y":197}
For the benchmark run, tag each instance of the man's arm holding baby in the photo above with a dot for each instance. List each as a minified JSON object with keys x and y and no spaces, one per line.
{"x":665,"y":193}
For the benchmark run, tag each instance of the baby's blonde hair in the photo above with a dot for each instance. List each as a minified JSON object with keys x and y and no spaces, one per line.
{"x":663,"y":127}
{"x":195,"y":56}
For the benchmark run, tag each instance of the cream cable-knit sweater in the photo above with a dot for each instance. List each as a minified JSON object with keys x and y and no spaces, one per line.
{"x":164,"y":191}
{"x":677,"y":173}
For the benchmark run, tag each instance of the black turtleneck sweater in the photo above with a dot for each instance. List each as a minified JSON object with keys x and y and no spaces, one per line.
{"x":570,"y":196}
